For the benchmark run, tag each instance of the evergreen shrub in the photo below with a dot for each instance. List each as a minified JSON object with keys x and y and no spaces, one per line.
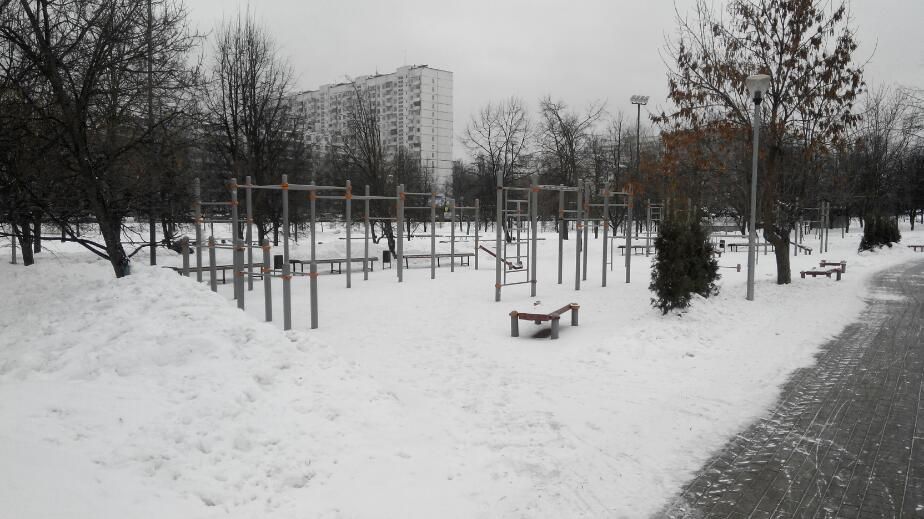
{"x":684,"y":265}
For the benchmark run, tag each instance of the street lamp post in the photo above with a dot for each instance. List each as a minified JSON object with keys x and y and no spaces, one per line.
{"x":638,"y":101}
{"x":757,"y":86}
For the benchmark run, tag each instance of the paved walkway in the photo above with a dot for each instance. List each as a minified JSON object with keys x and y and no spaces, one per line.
{"x":847,"y":436}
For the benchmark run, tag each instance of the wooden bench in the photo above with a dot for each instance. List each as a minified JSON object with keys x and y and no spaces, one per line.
{"x":826,"y":273}
{"x":622,"y":249}
{"x":837,"y":264}
{"x":332,"y":261}
{"x":464,"y":257}
{"x":554,"y":317}
{"x":735,"y":246}
{"x":916,"y":248}
{"x":219,"y":268}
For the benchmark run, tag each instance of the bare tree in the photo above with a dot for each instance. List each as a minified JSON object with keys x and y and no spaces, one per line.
{"x":81,"y":67}
{"x":249,"y":107}
{"x":807,"y":47}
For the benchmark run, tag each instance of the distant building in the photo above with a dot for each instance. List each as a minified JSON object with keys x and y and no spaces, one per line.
{"x":414,"y":106}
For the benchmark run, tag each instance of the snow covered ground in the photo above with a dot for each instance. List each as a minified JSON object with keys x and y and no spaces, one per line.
{"x":150,"y":396}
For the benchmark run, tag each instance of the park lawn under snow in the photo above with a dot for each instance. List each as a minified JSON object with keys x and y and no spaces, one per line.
{"x":150,"y":396}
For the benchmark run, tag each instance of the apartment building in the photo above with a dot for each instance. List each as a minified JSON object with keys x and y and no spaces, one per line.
{"x":414,"y":109}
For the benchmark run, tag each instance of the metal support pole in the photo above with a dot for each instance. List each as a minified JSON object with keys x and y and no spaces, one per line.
{"x":432,"y":235}
{"x":213,"y":281}
{"x":267,"y":271}
{"x":249,"y":234}
{"x":630,"y":227}
{"x":399,"y":210}
{"x":586,"y":241}
{"x":606,"y":231}
{"x":366,"y":236}
{"x":197,"y":208}
{"x":313,"y":268}
{"x":579,"y":210}
{"x":13,"y":238}
{"x":647,"y":227}
{"x":514,"y":324}
{"x":184,"y":247}
{"x":827,"y":224}
{"x":237,"y":249}
{"x":533,"y":238}
{"x":286,"y":268}
{"x":348,"y":209}
{"x":562,"y":227}
{"x":452,"y":236}
{"x":752,"y":234}
{"x":477,"y":226}
{"x":497,"y":241}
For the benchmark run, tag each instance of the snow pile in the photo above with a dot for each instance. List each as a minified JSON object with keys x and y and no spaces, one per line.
{"x":150,"y":396}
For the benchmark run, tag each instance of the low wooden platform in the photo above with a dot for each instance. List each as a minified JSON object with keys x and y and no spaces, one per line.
{"x":826,"y":273}
{"x":464,"y":257}
{"x":554,"y":317}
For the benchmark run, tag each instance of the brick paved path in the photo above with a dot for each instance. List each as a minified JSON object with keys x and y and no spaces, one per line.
{"x":847,"y":436}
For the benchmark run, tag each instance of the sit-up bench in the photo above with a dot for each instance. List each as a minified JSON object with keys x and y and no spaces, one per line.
{"x":554,"y":317}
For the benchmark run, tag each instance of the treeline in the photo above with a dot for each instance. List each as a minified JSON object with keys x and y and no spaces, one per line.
{"x":109,"y":109}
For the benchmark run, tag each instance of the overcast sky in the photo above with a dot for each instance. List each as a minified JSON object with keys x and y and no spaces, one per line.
{"x":574,"y":50}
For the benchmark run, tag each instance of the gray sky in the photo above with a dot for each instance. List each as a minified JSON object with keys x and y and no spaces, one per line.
{"x":574,"y":50}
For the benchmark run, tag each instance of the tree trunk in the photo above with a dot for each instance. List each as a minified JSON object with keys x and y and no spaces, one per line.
{"x":25,"y":242}
{"x":780,"y":241}
{"x":37,"y":234}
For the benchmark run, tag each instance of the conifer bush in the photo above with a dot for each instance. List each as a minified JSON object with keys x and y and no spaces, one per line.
{"x":879,"y":231}
{"x":684,"y":265}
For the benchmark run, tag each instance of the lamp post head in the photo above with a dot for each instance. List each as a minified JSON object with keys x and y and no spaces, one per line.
{"x":639,"y":100}
{"x":757,"y":86}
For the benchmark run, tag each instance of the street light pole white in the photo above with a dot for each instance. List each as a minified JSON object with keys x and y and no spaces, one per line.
{"x":757,"y":86}
{"x":630,"y":199}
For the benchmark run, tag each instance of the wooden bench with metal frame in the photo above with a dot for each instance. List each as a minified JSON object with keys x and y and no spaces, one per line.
{"x":332,"y":261}
{"x":836,"y":264}
{"x":826,"y":273}
{"x":554,"y":317}
{"x":464,"y":257}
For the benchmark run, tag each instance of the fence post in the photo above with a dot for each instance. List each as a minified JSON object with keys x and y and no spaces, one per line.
{"x":399,"y":219}
{"x":366,"y":236}
{"x":348,"y":203}
{"x":249,"y":234}
{"x":432,"y":235}
{"x":313,"y":270}
{"x":579,"y":210}
{"x":286,"y":268}
{"x":184,"y":247}
{"x":267,"y":270}
{"x":606,"y":230}
{"x":213,"y":281}
{"x":477,"y":226}
{"x":197,"y":208}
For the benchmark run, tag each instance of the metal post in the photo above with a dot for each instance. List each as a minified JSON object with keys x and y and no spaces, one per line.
{"x":366,"y":236}
{"x":579,"y":208}
{"x":752,"y":234}
{"x":452,"y":235}
{"x":586,"y":241}
{"x":432,"y":235}
{"x":477,"y":225}
{"x":348,"y":203}
{"x":533,"y":239}
{"x":606,"y":230}
{"x":313,"y":270}
{"x":197,"y":208}
{"x":647,"y":227}
{"x":267,"y":271}
{"x":514,"y":324}
{"x":827,"y":224}
{"x":213,"y":281}
{"x":555,"y":325}
{"x":13,"y":242}
{"x":562,"y":226}
{"x":497,"y":232}
{"x":249,"y":234}
{"x":286,"y":268}
{"x":399,"y":211}
{"x":629,"y":229}
{"x":184,"y":245}
{"x":236,"y":247}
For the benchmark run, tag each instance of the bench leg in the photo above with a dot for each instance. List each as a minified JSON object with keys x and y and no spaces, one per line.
{"x":554,"y":329}
{"x":514,"y":324}
{"x":838,"y":275}
{"x":574,"y":314}
{"x":803,"y":275}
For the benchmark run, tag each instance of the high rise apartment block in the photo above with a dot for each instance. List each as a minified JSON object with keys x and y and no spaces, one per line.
{"x":414,"y":108}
